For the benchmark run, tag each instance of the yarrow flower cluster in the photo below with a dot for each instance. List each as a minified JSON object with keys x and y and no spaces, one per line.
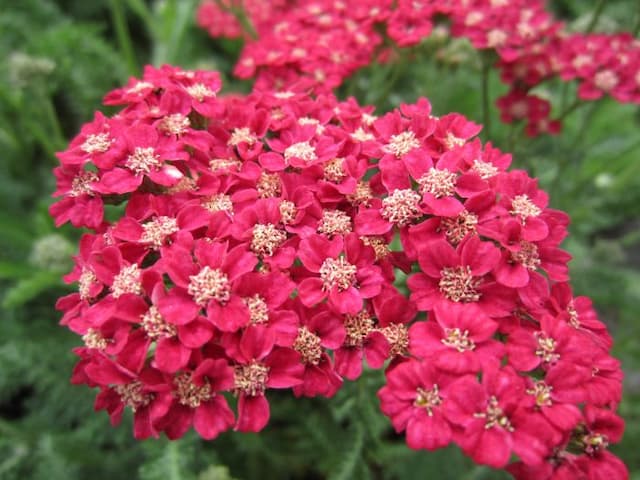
{"x":240,"y":244}
{"x":323,"y":42}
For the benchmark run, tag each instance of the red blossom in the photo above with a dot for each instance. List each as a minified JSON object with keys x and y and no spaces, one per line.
{"x":265,"y":241}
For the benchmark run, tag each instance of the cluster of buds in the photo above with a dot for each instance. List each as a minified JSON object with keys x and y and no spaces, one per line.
{"x":324,"y":41}
{"x":240,"y":244}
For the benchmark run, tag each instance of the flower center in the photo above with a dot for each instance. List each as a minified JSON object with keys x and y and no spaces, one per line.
{"x":457,"y":228}
{"x":185,"y":184}
{"x":97,"y":143}
{"x":269,"y":185}
{"x":334,"y":222}
{"x":209,"y":283}
{"x":523,"y":207}
{"x":401,"y":144}
{"x":594,"y":442}
{"x":337,"y":272}
{"x":360,"y":135}
{"x":127,"y":281}
{"x":542,"y":393}
{"x":546,"y":348}
{"x":401,"y":207}
{"x":140,"y":86}
{"x":439,"y":183}
{"x":224,"y":164}
{"x":379,"y":245}
{"x":455,"y":338}
{"x":302,"y":150}
{"x":250,"y":379}
{"x":266,"y":239}
{"x":494,"y":416}
{"x":574,"y":319}
{"x":309,"y":120}
{"x":606,"y":80}
{"x":458,"y":284}
{"x":307,"y":344}
{"x":358,"y":327}
{"x":86,"y":280}
{"x":368,"y":119}
{"x":484,"y":169}
{"x":188,"y":393}
{"x":143,"y":160}
{"x":258,"y":309}
{"x":155,"y":326}
{"x":218,"y":203}
{"x":174,"y":124}
{"x":288,"y":211}
{"x":80,"y":185}
{"x":200,"y":91}
{"x":284,"y":94}
{"x":473,"y":18}
{"x":451,"y":141}
{"x":428,"y":399}
{"x":527,"y":256}
{"x":362,"y":195}
{"x":132,"y":395}
{"x":496,"y":38}
{"x":398,"y":337}
{"x":157,"y":230}
{"x":334,"y":170}
{"x":241,"y":135}
{"x":94,"y":339}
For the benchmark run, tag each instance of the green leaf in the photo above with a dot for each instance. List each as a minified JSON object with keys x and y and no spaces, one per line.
{"x":352,"y":455}
{"x":14,"y":270}
{"x":29,"y":288}
{"x":215,"y":472}
{"x":171,"y":464}
{"x":14,"y":233}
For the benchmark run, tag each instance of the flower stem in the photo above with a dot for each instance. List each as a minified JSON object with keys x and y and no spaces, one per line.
{"x":486,"y":99}
{"x":50,"y":111}
{"x":596,"y":16}
{"x":391,"y":78}
{"x":123,"y":36}
{"x":184,"y":11}
{"x":515,"y":132}
{"x":241,"y":15}
{"x":570,"y":108}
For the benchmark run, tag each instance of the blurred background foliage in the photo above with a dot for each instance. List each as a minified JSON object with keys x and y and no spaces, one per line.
{"x":61,"y":57}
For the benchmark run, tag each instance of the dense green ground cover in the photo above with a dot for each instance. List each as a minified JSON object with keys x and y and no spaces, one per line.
{"x":62,"y":56}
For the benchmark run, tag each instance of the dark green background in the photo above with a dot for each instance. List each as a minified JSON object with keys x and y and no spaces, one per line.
{"x":61,"y":57}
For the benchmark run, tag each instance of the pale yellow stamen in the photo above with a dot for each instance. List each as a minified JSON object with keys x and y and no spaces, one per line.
{"x":143,"y":160}
{"x":458,"y":339}
{"x":127,"y":281}
{"x":458,"y":284}
{"x":209,"y":284}
{"x":401,"y":207}
{"x":251,"y":379}
{"x":307,"y":344}
{"x":401,"y":144}
{"x":428,"y":399}
{"x":97,"y":143}
{"x":188,"y":393}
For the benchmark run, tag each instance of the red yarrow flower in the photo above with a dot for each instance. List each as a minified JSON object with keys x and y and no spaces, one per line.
{"x":345,"y":269}
{"x":458,"y":339}
{"x":415,"y":398}
{"x":260,"y":365}
{"x":208,"y":283}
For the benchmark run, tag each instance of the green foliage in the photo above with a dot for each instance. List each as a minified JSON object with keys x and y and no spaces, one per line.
{"x":63,"y":56}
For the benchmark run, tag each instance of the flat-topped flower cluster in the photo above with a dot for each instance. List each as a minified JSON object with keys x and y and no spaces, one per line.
{"x":325,"y":41}
{"x":239,"y":244}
